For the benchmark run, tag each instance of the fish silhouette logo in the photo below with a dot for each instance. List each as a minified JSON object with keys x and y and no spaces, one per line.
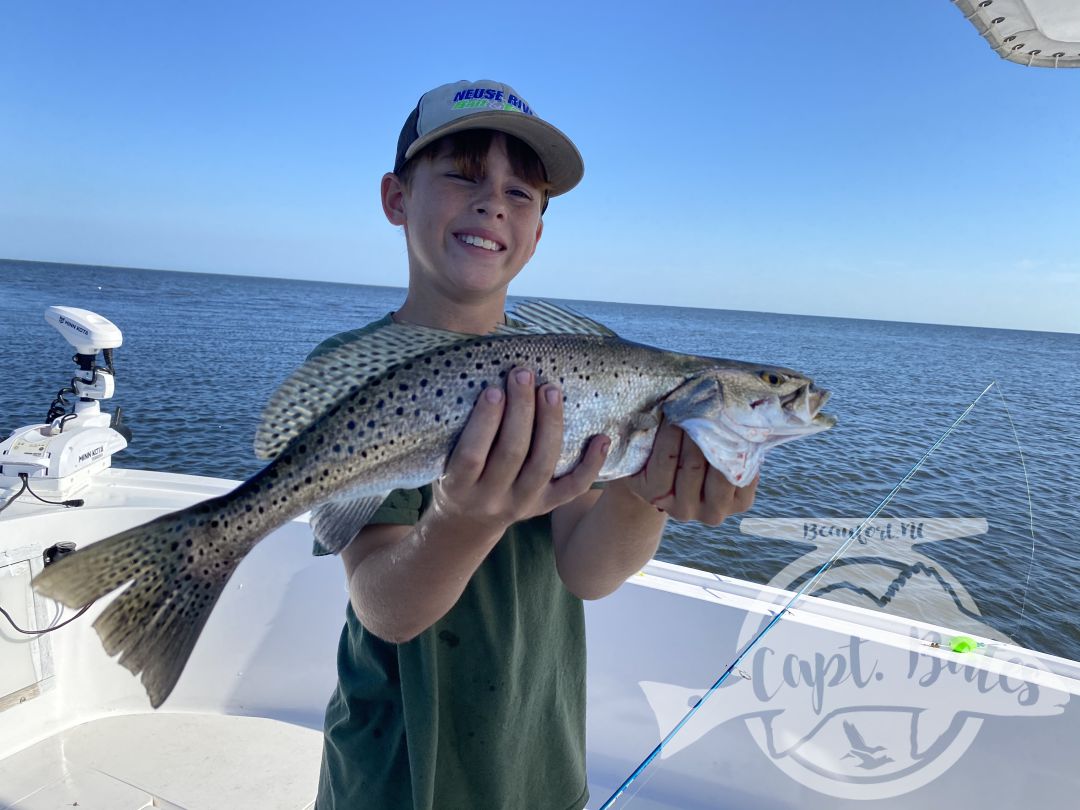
{"x":877,"y":715}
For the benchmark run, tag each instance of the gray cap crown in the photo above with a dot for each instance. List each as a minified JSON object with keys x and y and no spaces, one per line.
{"x":488,"y":104}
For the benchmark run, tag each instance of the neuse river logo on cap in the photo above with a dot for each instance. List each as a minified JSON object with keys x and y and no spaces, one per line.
{"x":865,"y":719}
{"x":489,"y":97}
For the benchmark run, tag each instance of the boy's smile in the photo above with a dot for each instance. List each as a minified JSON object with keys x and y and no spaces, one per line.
{"x":467,"y":237}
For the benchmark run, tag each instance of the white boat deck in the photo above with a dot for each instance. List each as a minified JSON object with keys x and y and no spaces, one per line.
{"x":170,"y":761}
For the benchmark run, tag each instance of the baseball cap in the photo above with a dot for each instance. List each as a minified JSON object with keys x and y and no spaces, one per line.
{"x":487,"y":104}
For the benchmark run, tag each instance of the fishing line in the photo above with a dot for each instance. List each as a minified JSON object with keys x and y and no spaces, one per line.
{"x":1031,"y":511}
{"x":855,"y":534}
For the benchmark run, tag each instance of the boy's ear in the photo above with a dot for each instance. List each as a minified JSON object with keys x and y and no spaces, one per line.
{"x":539,"y":233}
{"x":393,"y":198}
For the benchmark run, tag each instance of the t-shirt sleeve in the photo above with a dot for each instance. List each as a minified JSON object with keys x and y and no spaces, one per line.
{"x":402,"y":507}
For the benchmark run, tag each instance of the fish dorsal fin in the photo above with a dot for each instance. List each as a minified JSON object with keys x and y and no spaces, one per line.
{"x":545,"y":317}
{"x":313,"y":388}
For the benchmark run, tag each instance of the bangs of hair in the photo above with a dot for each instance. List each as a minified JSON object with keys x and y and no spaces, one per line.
{"x":469,"y":151}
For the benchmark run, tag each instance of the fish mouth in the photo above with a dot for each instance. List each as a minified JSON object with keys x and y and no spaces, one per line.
{"x":803,"y":406}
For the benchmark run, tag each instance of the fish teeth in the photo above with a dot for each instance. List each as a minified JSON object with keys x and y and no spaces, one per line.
{"x":477,"y":241}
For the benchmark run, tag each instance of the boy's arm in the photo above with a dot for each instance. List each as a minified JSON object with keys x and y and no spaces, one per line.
{"x":601,"y":538}
{"x":403,"y":579}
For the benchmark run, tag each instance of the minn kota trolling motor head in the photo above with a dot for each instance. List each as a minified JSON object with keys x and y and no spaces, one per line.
{"x":78,"y":439}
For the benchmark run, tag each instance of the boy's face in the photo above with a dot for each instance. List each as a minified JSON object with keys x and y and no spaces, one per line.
{"x":467,"y":236}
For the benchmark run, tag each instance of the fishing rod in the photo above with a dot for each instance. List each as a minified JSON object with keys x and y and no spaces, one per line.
{"x":855,"y":534}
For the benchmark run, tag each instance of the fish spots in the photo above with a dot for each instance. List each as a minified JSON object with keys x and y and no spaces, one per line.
{"x":352,"y":424}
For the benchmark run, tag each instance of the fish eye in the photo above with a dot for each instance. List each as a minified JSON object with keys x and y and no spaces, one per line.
{"x":771,"y":377}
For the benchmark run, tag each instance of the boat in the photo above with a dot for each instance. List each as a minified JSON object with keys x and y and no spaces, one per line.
{"x":838,"y":706}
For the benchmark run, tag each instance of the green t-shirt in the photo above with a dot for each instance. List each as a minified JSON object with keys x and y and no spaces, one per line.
{"x":485,"y":709}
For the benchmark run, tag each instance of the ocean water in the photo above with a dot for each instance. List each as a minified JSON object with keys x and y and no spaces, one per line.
{"x":202,"y":353}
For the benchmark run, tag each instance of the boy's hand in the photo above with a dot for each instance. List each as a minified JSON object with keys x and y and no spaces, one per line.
{"x":501,"y":470}
{"x":677,"y":479}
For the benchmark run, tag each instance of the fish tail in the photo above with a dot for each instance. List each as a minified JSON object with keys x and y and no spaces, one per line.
{"x":177,"y":567}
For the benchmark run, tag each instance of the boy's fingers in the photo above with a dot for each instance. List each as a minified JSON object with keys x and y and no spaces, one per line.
{"x":515,"y":432}
{"x":467,"y":461}
{"x":579,"y":479}
{"x":690,"y":477}
{"x":546,"y":441}
{"x":718,"y":498}
{"x":744,"y":496}
{"x":658,"y":476}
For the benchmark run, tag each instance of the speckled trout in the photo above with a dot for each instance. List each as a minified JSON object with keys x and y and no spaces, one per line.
{"x":383,"y":412}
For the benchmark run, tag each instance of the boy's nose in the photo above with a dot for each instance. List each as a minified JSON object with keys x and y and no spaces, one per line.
{"x":489,"y":204}
{"x":491,"y":191}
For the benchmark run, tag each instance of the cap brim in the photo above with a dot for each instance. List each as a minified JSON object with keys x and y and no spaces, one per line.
{"x":560,"y":157}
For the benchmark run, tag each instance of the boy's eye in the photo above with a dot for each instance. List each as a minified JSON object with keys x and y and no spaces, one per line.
{"x":459,"y":176}
{"x":517,"y":192}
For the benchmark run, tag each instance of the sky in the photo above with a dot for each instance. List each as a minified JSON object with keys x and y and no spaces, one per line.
{"x":847,"y":158}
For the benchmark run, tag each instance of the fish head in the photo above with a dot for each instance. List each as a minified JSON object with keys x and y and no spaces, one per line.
{"x":770,"y":402}
{"x":736,"y":411}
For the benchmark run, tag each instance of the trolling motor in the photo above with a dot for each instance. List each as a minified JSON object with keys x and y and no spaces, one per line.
{"x":78,"y":439}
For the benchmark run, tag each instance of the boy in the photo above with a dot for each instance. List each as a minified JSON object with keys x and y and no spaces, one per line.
{"x":462,"y":662}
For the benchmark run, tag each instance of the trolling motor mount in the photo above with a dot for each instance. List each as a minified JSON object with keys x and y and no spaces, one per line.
{"x":77,"y":439}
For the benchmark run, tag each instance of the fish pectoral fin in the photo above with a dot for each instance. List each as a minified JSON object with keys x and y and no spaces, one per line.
{"x":547,"y":318}
{"x":335,"y":523}
{"x":318,"y":384}
{"x":697,"y":397}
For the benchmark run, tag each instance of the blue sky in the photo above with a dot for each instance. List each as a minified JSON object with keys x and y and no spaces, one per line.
{"x":849,"y":158}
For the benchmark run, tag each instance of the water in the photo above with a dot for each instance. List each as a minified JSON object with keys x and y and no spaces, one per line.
{"x":202,"y":353}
